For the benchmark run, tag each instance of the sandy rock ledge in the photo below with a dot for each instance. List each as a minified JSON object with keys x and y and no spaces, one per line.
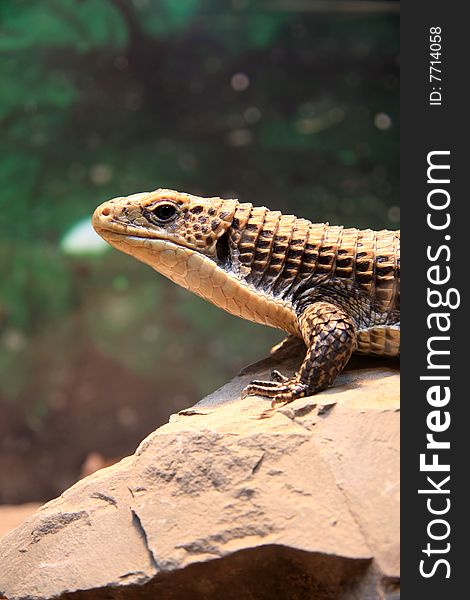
{"x":219,"y":504}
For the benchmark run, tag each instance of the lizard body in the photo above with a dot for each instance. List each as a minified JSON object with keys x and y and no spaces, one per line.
{"x":338,"y":289}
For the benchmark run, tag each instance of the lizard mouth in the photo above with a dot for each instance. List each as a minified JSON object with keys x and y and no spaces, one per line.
{"x":135,"y":238}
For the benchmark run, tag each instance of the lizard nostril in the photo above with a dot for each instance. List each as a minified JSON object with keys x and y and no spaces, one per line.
{"x":106,"y":212}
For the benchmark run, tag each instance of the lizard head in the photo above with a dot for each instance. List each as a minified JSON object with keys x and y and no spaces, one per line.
{"x":166,"y":229}
{"x":193,"y":242}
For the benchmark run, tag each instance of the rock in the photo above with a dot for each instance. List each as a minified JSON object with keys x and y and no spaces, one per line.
{"x":220,"y":503}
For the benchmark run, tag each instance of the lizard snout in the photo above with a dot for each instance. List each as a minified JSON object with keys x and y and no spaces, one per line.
{"x":115,"y":210}
{"x":105,"y":214}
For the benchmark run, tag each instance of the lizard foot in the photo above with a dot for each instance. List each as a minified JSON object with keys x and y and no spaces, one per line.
{"x":281,"y":389}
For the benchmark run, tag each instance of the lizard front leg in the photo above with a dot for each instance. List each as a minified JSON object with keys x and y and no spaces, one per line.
{"x":329,"y":334}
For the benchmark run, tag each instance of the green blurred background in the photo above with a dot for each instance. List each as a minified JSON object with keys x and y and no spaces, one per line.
{"x":289,"y":104}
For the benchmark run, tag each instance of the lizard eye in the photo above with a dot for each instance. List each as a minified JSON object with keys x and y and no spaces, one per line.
{"x":165,"y":212}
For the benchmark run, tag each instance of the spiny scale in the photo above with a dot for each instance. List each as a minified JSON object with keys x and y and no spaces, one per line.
{"x":279,"y":252}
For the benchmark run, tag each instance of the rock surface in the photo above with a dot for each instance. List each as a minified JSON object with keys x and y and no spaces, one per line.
{"x":220,"y":504}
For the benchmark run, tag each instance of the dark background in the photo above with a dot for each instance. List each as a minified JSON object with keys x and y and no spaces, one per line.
{"x":293,"y":105}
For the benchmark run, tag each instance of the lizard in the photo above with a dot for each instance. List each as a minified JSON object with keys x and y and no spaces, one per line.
{"x":336,"y":288}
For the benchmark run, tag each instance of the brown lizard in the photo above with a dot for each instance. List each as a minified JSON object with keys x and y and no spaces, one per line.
{"x":337,"y":289}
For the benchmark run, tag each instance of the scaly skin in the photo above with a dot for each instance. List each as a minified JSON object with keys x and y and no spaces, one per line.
{"x":337,"y":289}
